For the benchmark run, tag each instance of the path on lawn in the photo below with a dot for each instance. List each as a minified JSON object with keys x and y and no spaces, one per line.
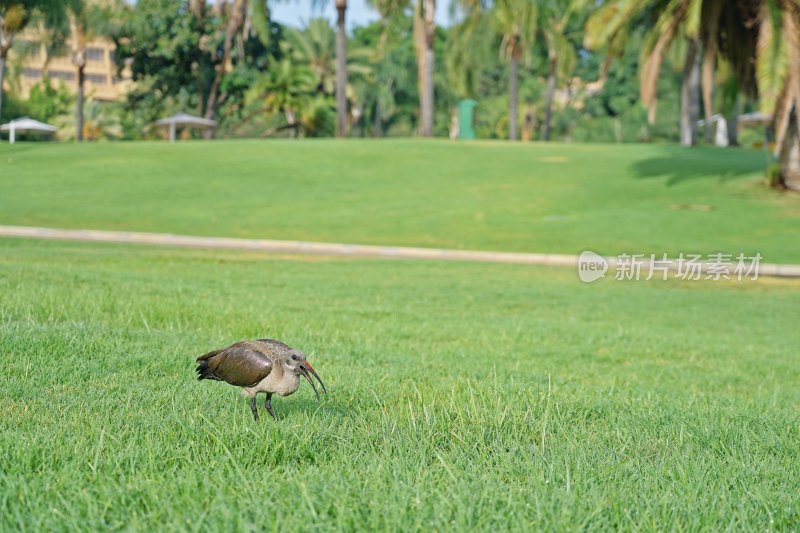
{"x":336,"y":249}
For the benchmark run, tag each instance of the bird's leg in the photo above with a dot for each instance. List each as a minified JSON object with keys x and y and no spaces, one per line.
{"x":254,"y":407}
{"x":268,"y":405}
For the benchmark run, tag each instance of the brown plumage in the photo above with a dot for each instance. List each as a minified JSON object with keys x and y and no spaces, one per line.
{"x":262,"y":365}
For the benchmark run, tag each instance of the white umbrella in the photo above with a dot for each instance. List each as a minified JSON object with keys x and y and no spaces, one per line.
{"x":25,"y":124}
{"x":183,"y":119}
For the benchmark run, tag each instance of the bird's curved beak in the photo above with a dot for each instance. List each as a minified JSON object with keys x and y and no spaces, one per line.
{"x":306,"y":368}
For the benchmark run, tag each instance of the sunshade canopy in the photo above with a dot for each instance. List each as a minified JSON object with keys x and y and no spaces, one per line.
{"x":25,"y":124}
{"x":186,"y":120}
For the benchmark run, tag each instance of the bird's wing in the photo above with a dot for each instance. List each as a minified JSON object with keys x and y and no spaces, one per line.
{"x":240,"y":364}
{"x":273,"y":344}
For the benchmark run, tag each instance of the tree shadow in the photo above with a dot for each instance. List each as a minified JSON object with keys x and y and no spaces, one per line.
{"x":680,"y":165}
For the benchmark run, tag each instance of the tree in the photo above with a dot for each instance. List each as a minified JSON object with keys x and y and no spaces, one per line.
{"x":88,"y":19}
{"x":341,"y":69}
{"x":387,"y":97}
{"x":317,"y":47}
{"x":516,"y":22}
{"x":776,"y":71}
{"x":690,"y":86}
{"x":236,"y":18}
{"x":695,"y":22}
{"x":291,"y":89}
{"x":78,"y":29}
{"x":14,"y":17}
{"x":765,"y":30}
{"x":424,"y":35}
{"x":555,"y":17}
{"x":195,"y":55}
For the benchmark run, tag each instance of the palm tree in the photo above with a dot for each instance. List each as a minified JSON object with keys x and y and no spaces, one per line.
{"x":516,"y":21}
{"x":760,"y":39}
{"x":554,"y":18}
{"x":317,"y":46}
{"x":289,"y":88}
{"x":341,"y":70}
{"x":388,"y":64}
{"x":424,"y":35}
{"x":695,"y":22}
{"x":775,"y":43}
{"x":690,"y":111}
{"x":78,"y":29}
{"x":88,"y":19}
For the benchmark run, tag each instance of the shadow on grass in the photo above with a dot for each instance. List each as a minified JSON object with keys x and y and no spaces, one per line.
{"x":680,"y":165}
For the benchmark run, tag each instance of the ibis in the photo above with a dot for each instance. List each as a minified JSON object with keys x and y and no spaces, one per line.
{"x":261,"y":365}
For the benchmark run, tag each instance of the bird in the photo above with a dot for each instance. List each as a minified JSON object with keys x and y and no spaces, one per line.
{"x":261,"y":365}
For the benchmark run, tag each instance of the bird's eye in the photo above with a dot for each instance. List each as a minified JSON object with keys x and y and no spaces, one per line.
{"x":294,"y":356}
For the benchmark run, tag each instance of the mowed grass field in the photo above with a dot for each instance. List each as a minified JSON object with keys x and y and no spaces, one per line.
{"x":555,"y":198}
{"x":462,"y":397}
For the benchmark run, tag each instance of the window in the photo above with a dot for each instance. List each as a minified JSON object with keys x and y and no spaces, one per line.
{"x":34,"y":73}
{"x":61,"y":75}
{"x":95,"y":54}
{"x":97,"y":79}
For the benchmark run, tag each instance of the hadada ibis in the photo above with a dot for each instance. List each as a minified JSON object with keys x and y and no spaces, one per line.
{"x":262,"y":365}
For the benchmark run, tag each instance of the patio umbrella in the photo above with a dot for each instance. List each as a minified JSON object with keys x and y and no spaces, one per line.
{"x":185,"y":120}
{"x":25,"y":124}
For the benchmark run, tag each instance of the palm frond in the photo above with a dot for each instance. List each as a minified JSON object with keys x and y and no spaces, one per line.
{"x":771,"y":60}
{"x":653,"y":52}
{"x":711,"y":12}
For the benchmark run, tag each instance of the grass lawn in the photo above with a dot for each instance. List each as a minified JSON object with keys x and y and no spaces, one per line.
{"x":561,"y":198}
{"x":463,"y":396}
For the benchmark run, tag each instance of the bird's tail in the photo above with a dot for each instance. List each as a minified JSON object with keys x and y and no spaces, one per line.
{"x":203,"y":369}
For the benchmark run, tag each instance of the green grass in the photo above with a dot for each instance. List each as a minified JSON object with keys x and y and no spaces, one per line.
{"x":562,"y":198}
{"x":462,"y":396}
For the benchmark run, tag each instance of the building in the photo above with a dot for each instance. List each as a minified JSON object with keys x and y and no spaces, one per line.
{"x":101,"y":81}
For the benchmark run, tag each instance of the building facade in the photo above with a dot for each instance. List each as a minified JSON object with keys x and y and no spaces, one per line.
{"x":101,"y":79}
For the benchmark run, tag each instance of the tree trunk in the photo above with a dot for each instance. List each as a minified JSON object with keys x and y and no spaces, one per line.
{"x":708,"y":110}
{"x":690,"y":108}
{"x":551,"y":94}
{"x":377,"y":127}
{"x":292,"y":122}
{"x":236,"y":18}
{"x":198,"y":8}
{"x":79,"y":104}
{"x":427,"y":97}
{"x":6,"y":38}
{"x":529,"y":125}
{"x":341,"y":74}
{"x":2,"y":76}
{"x":424,"y":33}
{"x":711,"y":31}
{"x":789,"y":155}
{"x":513,"y":100}
{"x":733,"y":124}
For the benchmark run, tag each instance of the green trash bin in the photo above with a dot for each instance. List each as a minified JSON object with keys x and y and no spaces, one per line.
{"x":466,"y":119}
